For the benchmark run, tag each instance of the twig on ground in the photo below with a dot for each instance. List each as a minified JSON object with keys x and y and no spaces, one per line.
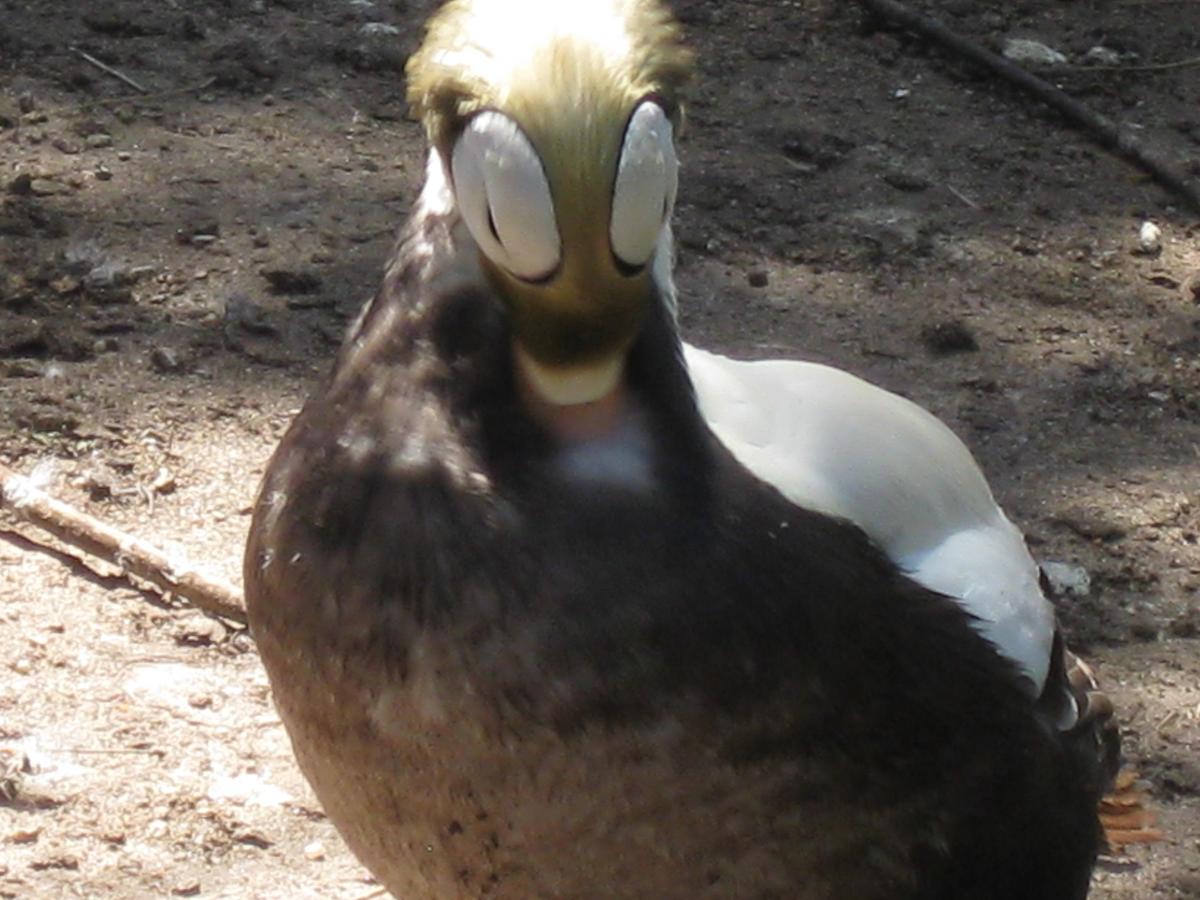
{"x":105,"y":67}
{"x":1101,"y":128}
{"x":961,"y":196}
{"x":157,"y":95}
{"x":135,"y":556}
{"x":1139,"y":67}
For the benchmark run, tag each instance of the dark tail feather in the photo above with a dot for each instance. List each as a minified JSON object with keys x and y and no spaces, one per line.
{"x":1084,"y":714}
{"x":1095,"y":723}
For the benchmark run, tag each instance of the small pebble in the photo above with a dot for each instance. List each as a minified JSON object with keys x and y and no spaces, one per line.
{"x":253,"y":839}
{"x":1149,"y":239}
{"x":292,"y":281}
{"x":1186,"y":625}
{"x":1102,"y":56}
{"x":1028,"y":52}
{"x":373,"y":29}
{"x":243,"y":313}
{"x":44,"y":187}
{"x":1190,"y":288}
{"x":314,"y":851}
{"x":1145,"y":629}
{"x":165,"y":360}
{"x":67,"y":284}
{"x":1067,"y":580}
{"x":199,"y":630}
{"x":910,"y":182}
{"x":164,"y":482}
{"x":99,"y":140}
{"x":758,"y":278}
{"x":951,"y":336}
{"x":21,"y":185}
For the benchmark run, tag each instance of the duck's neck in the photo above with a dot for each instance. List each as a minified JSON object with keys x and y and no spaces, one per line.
{"x":572,"y":423}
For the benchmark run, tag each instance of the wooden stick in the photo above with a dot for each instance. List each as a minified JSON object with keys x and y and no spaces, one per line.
{"x":1139,"y":67}
{"x":105,"y":67}
{"x":157,"y":95}
{"x":1103,"y":130}
{"x":135,"y":556}
{"x":961,"y":196}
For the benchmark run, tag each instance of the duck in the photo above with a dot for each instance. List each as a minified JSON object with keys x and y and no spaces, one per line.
{"x":553,"y":604}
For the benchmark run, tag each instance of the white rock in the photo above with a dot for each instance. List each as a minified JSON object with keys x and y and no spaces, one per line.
{"x":1102,"y":56}
{"x":372,"y":29}
{"x":1023,"y":50}
{"x":1067,"y":580}
{"x":1150,"y":239}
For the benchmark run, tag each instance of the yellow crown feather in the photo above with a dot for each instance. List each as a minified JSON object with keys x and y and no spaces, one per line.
{"x":522,"y":56}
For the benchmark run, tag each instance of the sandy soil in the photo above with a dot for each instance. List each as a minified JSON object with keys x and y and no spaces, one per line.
{"x":176,"y":269}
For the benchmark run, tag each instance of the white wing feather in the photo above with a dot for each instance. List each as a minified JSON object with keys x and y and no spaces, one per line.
{"x":834,"y":443}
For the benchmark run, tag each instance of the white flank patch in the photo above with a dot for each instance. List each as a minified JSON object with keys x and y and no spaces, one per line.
{"x":833,"y":443}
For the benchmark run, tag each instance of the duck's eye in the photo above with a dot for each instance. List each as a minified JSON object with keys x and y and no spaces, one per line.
{"x":504,"y":196}
{"x":644,"y":193}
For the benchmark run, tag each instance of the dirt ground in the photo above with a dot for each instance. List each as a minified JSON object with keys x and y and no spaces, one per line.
{"x":176,"y":269}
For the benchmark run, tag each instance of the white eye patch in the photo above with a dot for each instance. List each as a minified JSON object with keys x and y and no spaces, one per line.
{"x":504,"y":197}
{"x":647,"y":178}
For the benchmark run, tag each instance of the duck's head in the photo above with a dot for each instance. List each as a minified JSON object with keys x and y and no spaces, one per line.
{"x":555,"y":122}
